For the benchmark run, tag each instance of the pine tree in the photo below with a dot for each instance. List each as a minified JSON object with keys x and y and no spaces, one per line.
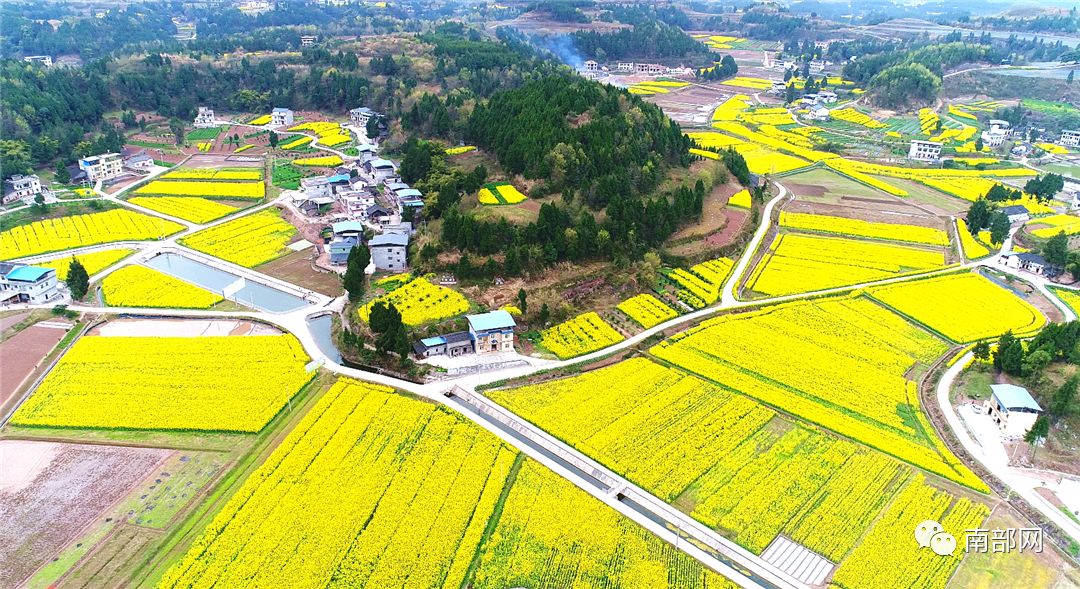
{"x":523,"y":301}
{"x":78,"y":281}
{"x":359,"y":258}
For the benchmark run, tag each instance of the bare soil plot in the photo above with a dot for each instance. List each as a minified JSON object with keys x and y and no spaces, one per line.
{"x":692,"y":106}
{"x":182,"y":328}
{"x":21,"y":357}
{"x":12,"y":320}
{"x":55,"y":491}
{"x":299,"y":269}
{"x":209,"y":160}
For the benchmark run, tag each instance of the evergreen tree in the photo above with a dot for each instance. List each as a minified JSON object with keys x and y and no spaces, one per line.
{"x":545,"y":315}
{"x":999,"y":228}
{"x":273,"y":138}
{"x":1009,"y":356}
{"x":981,"y":351}
{"x":1038,"y":432}
{"x":978,"y":216}
{"x":1056,"y":250}
{"x":354,"y":279}
{"x":523,"y":301}
{"x":78,"y":281}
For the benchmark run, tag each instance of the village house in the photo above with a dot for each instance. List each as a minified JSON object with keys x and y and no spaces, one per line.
{"x":492,"y":332}
{"x":308,"y":40}
{"x":819,"y":113}
{"x":625,"y":66}
{"x":102,"y":167}
{"x":281,"y":117}
{"x":339,"y":249}
{"x":1012,"y":408}
{"x":649,"y":68}
{"x":1069,"y":138}
{"x":44,"y":60}
{"x":454,"y":344}
{"x":591,"y":66}
{"x":20,"y":283}
{"x":19,"y":187}
{"x":380,"y":169}
{"x":488,"y":333}
{"x":1017,"y":213}
{"x":378,"y":214}
{"x":388,"y":251}
{"x":348,"y":229}
{"x":361,"y":116}
{"x":137,"y":161}
{"x":924,"y":150}
{"x":205,"y":118}
{"x":315,"y":187}
{"x":1030,"y":262}
{"x":826,"y":96}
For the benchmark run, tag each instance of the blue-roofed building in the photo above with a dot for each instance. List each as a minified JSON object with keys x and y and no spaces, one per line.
{"x":20,"y":283}
{"x":348,"y":229}
{"x":454,"y":344}
{"x":492,"y":332}
{"x":340,"y":248}
{"x":380,"y":169}
{"x":1012,"y":408}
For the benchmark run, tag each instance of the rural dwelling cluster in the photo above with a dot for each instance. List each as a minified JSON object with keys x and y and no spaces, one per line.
{"x":1012,"y":408}
{"x":20,"y":187}
{"x":20,"y":283}
{"x":1030,"y":262}
{"x":489,"y":333}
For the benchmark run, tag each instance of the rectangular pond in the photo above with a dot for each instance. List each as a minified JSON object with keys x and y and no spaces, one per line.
{"x":252,"y":294}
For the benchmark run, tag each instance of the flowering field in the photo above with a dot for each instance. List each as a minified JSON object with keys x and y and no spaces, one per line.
{"x":740,"y":199}
{"x":419,"y":301}
{"x":582,"y":334}
{"x":328,"y":161}
{"x":208,"y":189}
{"x":174,"y":383}
{"x":188,"y":208}
{"x":139,"y":286}
{"x":249,"y":241}
{"x":850,"y":115}
{"x":972,"y":249}
{"x":61,"y":233}
{"x":888,"y":556}
{"x":973,"y":189}
{"x":860,"y":228}
{"x":962,"y":307}
{"x":647,"y":310}
{"x":261,"y":120}
{"x":298,"y":142}
{"x":553,"y":534}
{"x":798,"y":263}
{"x":94,"y":262}
{"x":1070,"y":297}
{"x":726,"y":459}
{"x":372,"y":489}
{"x":748,"y":82}
{"x":219,"y":174}
{"x":700,"y":285}
{"x":1054,"y":224}
{"x":500,"y":193}
{"x":330,"y":134}
{"x":837,"y":362}
{"x":460,"y":149}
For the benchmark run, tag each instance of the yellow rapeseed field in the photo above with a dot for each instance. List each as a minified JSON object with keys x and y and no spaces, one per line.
{"x":798,"y":263}
{"x":235,"y":383}
{"x":962,"y":307}
{"x":204,"y":188}
{"x":372,"y":489}
{"x":249,"y":241}
{"x":971,"y":249}
{"x":224,"y":174}
{"x":188,"y":208}
{"x":860,"y":228}
{"x":139,"y":286}
{"x":647,"y":310}
{"x":419,"y":301}
{"x":94,"y":262}
{"x":61,"y":233}
{"x":582,"y":334}
{"x":837,"y":362}
{"x":328,"y":161}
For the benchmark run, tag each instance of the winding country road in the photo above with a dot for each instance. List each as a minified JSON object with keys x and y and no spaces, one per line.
{"x":742,"y":567}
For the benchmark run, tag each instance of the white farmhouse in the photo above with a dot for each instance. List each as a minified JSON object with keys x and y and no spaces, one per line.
{"x":1012,"y":408}
{"x":924,"y":150}
{"x":19,"y":187}
{"x":102,"y":167}
{"x":281,"y":117}
{"x":1069,"y":138}
{"x":205,"y":118}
